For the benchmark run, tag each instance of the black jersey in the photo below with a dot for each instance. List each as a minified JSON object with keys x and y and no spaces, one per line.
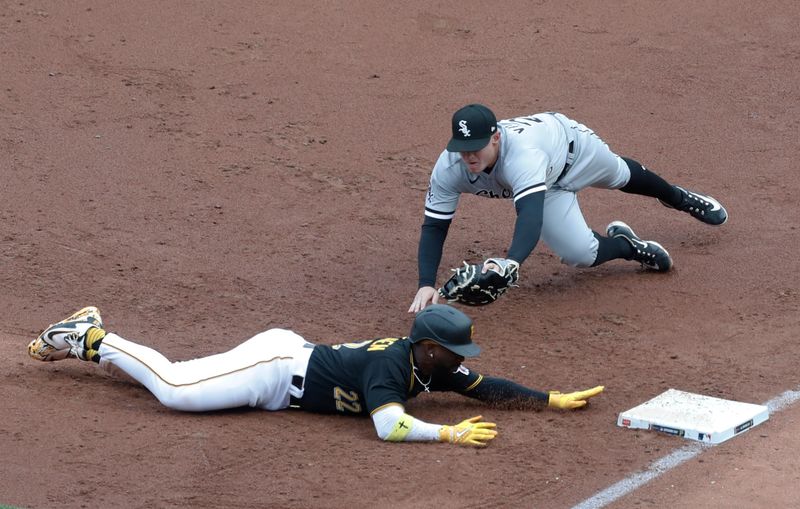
{"x":358,"y":378}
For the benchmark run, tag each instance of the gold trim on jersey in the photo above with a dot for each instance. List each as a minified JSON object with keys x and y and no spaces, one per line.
{"x":480,"y":377}
{"x":411,"y":361}
{"x":387,"y":405}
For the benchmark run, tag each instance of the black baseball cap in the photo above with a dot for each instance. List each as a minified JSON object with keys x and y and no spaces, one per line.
{"x":473,"y":126}
{"x":446,"y":326}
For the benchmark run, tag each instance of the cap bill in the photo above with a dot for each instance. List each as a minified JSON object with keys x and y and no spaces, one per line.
{"x":458,"y":145}
{"x":469,"y":350}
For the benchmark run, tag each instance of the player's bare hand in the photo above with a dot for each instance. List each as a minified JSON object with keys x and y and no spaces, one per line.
{"x":502,"y":266}
{"x":470,"y":432}
{"x":425,"y":295}
{"x":487,"y":266}
{"x":572,"y":400}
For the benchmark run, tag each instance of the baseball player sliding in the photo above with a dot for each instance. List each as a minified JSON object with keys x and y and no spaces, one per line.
{"x":541,"y":161}
{"x":278,"y":369}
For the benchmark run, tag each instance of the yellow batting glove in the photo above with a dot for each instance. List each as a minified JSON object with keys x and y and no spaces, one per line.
{"x":573,"y":399}
{"x":469,"y":432}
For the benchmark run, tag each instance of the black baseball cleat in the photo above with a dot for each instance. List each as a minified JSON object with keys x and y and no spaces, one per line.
{"x":650,"y":254}
{"x":701,"y":207}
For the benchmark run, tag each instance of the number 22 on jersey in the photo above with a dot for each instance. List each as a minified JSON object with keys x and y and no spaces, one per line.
{"x":346,"y":401}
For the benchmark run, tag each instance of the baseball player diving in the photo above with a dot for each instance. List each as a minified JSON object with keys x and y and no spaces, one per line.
{"x":278,"y":369}
{"x":541,"y":161}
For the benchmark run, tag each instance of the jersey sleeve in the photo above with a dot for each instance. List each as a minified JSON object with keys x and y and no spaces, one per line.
{"x":526,"y":173}
{"x":385,"y":382}
{"x":442,"y":197}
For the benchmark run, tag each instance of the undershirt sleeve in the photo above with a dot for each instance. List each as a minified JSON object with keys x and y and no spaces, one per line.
{"x":431,"y":244}
{"x":386,"y":417}
{"x":500,"y":391}
{"x":528,"y":226}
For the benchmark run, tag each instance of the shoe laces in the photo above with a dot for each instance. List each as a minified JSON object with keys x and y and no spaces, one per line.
{"x":696,"y":202}
{"x":645,"y":255}
{"x":76,"y":346}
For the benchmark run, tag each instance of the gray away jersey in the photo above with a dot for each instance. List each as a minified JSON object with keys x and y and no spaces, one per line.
{"x":533,"y":151}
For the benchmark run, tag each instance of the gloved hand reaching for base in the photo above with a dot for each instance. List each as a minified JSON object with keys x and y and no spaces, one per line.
{"x":572,"y":400}
{"x":469,"y":432}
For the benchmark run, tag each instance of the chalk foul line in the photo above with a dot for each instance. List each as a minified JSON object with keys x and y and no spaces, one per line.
{"x":671,"y":460}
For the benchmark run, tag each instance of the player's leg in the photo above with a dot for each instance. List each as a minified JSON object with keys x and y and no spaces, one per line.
{"x":646,"y":183}
{"x":595,"y":165}
{"x":565,"y":231}
{"x":257,"y":373}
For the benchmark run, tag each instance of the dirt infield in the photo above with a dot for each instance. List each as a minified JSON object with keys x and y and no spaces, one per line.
{"x":202,"y":171}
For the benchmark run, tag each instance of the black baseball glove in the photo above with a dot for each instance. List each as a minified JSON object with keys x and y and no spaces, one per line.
{"x":472,"y":287}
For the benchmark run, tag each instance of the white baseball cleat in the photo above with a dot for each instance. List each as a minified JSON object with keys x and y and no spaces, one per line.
{"x":67,"y":338}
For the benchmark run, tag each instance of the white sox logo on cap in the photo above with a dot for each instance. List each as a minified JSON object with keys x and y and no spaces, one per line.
{"x":473,"y":126}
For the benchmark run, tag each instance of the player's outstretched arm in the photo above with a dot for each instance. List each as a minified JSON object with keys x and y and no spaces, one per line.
{"x":528,"y":226}
{"x":393,"y":424}
{"x":502,"y":392}
{"x":429,"y":255}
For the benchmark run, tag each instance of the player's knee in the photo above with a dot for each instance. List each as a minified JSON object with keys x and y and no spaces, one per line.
{"x":183,"y":399}
{"x":580,"y":254}
{"x":580,"y":259}
{"x":174,"y":401}
{"x":633,"y":164}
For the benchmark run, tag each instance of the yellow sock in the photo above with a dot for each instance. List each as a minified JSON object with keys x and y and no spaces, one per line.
{"x":94,"y":337}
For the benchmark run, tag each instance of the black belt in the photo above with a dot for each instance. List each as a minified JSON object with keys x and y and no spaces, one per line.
{"x":297,"y":381}
{"x":569,"y":161}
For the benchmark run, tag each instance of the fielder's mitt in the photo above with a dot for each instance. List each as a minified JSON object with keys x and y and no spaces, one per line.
{"x":471,"y":287}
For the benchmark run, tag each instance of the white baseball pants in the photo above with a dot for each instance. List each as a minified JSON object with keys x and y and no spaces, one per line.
{"x":593,"y":165}
{"x":258,"y":373}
